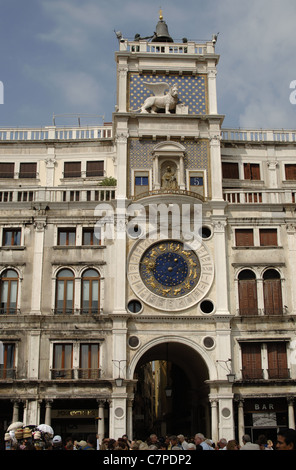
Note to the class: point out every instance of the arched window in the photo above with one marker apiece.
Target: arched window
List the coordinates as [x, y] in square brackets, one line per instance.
[247, 293]
[65, 292]
[272, 290]
[9, 291]
[90, 292]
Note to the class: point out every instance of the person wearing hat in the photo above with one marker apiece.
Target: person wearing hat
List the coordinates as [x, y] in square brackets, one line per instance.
[57, 443]
[91, 442]
[80, 445]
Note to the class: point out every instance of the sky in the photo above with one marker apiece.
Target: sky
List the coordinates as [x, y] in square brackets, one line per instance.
[57, 57]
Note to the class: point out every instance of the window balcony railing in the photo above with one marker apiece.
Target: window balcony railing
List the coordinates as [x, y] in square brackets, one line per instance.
[274, 311]
[62, 374]
[252, 374]
[63, 311]
[78, 374]
[245, 312]
[90, 311]
[9, 311]
[82, 311]
[279, 373]
[91, 374]
[7, 373]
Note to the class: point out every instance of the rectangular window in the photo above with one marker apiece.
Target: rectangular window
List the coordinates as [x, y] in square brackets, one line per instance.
[272, 294]
[290, 171]
[196, 181]
[251, 361]
[28, 170]
[141, 183]
[6, 170]
[63, 361]
[11, 237]
[244, 237]
[141, 180]
[268, 237]
[72, 169]
[277, 361]
[247, 292]
[89, 361]
[67, 236]
[230, 170]
[95, 168]
[7, 369]
[252, 171]
[91, 237]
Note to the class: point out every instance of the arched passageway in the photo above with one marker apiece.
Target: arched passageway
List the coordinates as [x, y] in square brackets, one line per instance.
[171, 395]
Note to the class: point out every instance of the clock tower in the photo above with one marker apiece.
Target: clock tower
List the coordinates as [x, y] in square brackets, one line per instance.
[170, 279]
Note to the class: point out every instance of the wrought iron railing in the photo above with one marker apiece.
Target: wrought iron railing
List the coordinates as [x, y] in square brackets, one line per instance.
[9, 373]
[62, 374]
[278, 373]
[251, 374]
[77, 373]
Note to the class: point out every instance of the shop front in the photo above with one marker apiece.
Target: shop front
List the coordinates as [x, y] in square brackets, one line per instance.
[266, 416]
[78, 420]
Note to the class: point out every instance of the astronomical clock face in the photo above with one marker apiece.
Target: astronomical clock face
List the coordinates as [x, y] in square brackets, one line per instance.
[167, 276]
[168, 270]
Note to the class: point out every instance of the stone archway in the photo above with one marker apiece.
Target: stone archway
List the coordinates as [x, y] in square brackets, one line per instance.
[180, 365]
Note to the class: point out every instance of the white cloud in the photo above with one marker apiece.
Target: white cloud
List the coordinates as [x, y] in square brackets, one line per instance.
[256, 68]
[77, 88]
[71, 46]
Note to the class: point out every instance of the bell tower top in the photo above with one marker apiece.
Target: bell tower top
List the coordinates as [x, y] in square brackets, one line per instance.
[162, 33]
[158, 60]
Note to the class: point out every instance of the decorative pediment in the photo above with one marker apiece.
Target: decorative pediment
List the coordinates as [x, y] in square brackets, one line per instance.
[169, 147]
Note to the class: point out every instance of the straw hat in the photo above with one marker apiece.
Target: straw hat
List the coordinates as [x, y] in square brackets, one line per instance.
[27, 433]
[19, 433]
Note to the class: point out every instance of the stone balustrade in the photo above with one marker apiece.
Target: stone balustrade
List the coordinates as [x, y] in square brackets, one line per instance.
[190, 47]
[266, 196]
[56, 133]
[60, 194]
[258, 135]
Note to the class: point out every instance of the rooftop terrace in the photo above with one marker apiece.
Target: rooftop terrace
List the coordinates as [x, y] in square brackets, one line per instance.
[76, 133]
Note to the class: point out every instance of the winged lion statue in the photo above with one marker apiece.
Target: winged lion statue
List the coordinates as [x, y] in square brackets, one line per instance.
[161, 100]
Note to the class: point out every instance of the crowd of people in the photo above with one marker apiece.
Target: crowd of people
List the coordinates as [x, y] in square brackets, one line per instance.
[40, 439]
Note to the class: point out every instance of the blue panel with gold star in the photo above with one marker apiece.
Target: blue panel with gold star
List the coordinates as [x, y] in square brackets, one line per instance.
[168, 270]
[192, 90]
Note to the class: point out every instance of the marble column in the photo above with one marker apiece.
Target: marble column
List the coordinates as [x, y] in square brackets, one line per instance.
[214, 420]
[129, 418]
[15, 413]
[291, 238]
[291, 414]
[220, 265]
[241, 420]
[48, 412]
[101, 420]
[212, 91]
[39, 225]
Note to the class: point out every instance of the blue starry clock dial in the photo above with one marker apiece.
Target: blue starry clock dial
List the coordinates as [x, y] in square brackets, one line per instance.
[168, 270]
